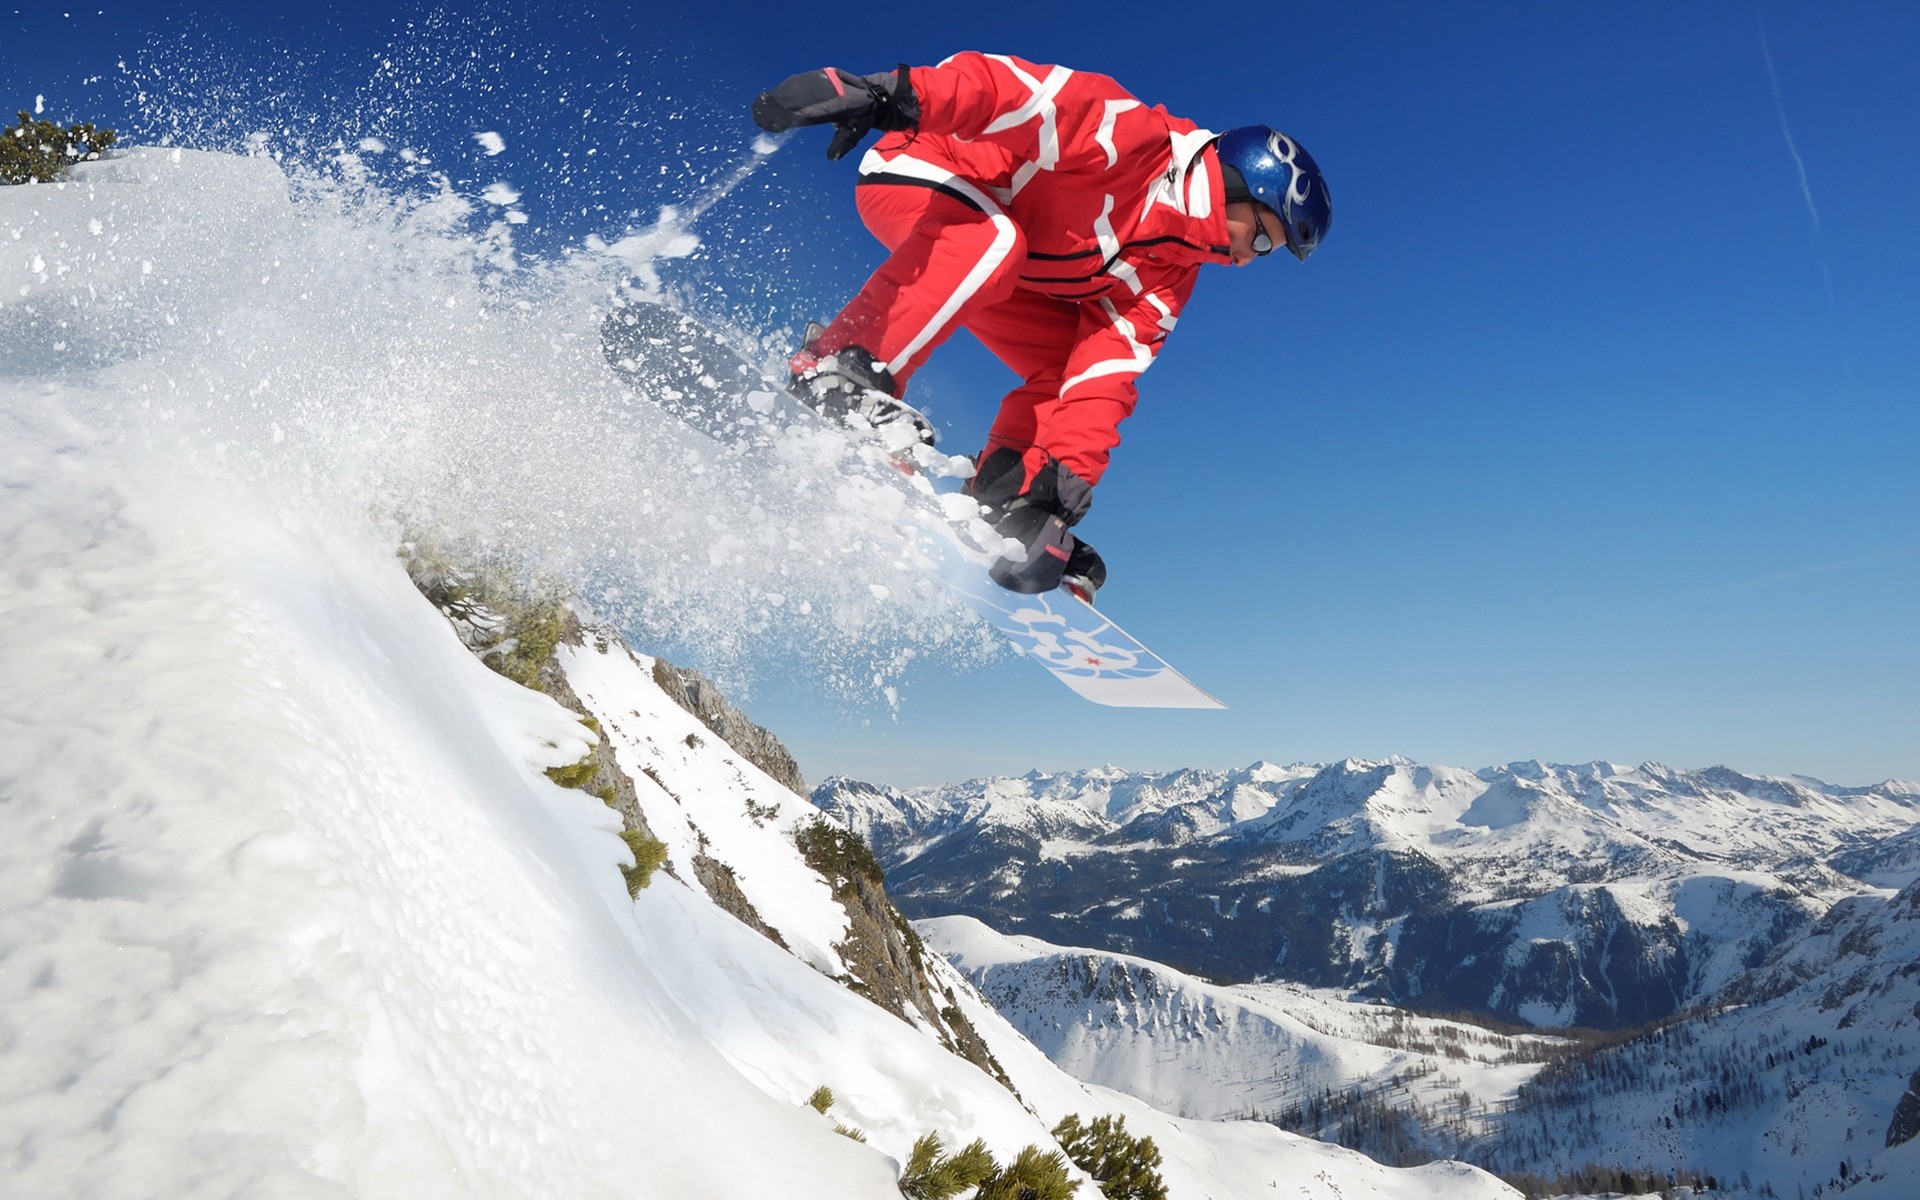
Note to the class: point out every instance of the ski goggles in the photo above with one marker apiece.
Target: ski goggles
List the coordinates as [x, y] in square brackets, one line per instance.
[1262, 240]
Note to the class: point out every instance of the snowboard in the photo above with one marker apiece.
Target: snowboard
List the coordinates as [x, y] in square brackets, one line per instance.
[687, 368]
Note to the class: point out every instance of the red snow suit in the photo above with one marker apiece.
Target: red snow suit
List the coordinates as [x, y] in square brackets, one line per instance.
[1055, 217]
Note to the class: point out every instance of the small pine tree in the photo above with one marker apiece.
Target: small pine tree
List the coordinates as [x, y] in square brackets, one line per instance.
[40, 151]
[821, 1100]
[649, 854]
[1033, 1175]
[575, 775]
[920, 1164]
[1125, 1167]
[838, 853]
[931, 1176]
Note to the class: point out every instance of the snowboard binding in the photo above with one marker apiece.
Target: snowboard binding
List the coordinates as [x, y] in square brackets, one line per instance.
[848, 387]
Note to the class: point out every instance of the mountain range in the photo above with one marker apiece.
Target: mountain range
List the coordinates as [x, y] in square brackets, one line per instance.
[1556, 896]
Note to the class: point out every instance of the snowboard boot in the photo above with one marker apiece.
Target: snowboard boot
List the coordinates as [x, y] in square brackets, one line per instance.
[1038, 518]
[1051, 557]
[848, 387]
[1046, 548]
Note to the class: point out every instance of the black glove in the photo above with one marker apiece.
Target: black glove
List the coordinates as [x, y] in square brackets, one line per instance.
[855, 104]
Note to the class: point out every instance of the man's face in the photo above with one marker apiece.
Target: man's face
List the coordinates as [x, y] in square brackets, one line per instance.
[1245, 220]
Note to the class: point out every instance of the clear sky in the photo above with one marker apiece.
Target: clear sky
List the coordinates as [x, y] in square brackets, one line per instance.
[1591, 432]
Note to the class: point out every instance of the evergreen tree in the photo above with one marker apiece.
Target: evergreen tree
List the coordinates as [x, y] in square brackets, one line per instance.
[930, 1175]
[1033, 1175]
[649, 855]
[1125, 1167]
[40, 151]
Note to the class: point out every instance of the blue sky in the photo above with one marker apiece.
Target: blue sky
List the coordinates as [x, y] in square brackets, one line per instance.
[1591, 432]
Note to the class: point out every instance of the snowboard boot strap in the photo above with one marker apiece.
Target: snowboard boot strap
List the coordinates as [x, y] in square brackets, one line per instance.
[1085, 572]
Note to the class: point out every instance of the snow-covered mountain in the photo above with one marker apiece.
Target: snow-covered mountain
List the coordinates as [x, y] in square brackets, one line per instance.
[1558, 895]
[1798, 1078]
[1793, 1079]
[298, 898]
[1891, 862]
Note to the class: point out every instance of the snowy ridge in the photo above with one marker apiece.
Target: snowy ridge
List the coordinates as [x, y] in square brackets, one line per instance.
[1201, 1050]
[748, 820]
[288, 904]
[1652, 816]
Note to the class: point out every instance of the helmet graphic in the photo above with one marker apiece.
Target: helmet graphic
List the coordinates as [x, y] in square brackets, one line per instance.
[1279, 173]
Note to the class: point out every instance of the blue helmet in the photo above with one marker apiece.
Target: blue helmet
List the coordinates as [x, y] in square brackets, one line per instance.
[1279, 173]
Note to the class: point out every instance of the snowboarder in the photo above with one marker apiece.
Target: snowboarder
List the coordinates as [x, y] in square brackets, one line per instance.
[1063, 223]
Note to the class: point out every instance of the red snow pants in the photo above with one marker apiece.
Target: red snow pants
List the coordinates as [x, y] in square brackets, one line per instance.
[954, 264]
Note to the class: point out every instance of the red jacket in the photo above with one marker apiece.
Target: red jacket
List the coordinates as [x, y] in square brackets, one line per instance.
[1119, 202]
[1107, 190]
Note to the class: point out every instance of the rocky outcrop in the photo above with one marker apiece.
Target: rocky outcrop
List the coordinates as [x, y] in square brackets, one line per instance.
[723, 888]
[697, 694]
[886, 961]
[1906, 1115]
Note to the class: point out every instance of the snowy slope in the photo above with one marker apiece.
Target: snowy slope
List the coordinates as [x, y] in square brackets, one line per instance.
[1219, 1159]
[1799, 1071]
[287, 904]
[1892, 862]
[656, 740]
[1201, 1050]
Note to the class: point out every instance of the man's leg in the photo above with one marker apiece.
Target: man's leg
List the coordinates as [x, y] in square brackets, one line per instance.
[1032, 334]
[954, 252]
[1036, 496]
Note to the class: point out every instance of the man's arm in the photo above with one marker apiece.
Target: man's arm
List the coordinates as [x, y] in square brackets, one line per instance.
[1052, 116]
[1044, 115]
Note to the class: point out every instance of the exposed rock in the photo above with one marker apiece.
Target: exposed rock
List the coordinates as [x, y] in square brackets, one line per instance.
[718, 880]
[1906, 1115]
[886, 961]
[697, 694]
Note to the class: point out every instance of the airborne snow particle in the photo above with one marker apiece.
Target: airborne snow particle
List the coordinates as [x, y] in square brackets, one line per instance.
[500, 192]
[491, 142]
